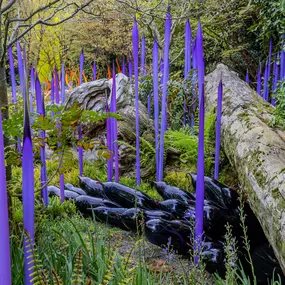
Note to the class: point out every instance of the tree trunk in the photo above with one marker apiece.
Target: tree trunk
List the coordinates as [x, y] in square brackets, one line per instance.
[255, 149]
[5, 115]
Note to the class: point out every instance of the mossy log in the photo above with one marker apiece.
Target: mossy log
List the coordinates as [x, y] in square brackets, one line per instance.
[255, 149]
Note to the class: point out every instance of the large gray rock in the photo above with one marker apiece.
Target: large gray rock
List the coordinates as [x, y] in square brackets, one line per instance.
[255, 149]
[93, 96]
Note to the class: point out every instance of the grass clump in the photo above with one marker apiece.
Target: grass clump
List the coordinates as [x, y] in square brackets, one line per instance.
[80, 251]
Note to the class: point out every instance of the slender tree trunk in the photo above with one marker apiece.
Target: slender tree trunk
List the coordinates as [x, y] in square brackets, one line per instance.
[5, 115]
[4, 98]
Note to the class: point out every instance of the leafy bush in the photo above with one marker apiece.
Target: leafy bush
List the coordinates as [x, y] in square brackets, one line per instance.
[179, 179]
[178, 90]
[56, 209]
[279, 118]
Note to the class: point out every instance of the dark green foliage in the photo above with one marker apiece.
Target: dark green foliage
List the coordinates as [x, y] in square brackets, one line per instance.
[57, 139]
[179, 179]
[279, 118]
[270, 20]
[179, 90]
[56, 209]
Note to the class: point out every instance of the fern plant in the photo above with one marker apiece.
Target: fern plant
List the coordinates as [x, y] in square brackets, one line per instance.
[77, 270]
[184, 141]
[38, 274]
[147, 154]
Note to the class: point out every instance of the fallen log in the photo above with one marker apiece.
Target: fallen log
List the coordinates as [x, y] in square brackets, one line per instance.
[255, 149]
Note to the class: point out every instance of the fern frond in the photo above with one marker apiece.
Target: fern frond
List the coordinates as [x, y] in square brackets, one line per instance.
[38, 275]
[126, 144]
[56, 278]
[125, 272]
[109, 273]
[77, 271]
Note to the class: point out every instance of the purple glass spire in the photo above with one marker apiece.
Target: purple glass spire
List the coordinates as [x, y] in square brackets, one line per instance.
[109, 143]
[130, 71]
[168, 24]
[275, 80]
[156, 104]
[81, 64]
[135, 38]
[265, 86]
[27, 184]
[80, 149]
[200, 60]
[247, 77]
[114, 125]
[194, 82]
[282, 60]
[94, 70]
[258, 86]
[218, 130]
[41, 111]
[187, 61]
[57, 101]
[32, 90]
[20, 66]
[5, 259]
[62, 84]
[200, 166]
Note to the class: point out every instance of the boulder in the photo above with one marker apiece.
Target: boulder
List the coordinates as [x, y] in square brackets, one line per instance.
[93, 96]
[255, 149]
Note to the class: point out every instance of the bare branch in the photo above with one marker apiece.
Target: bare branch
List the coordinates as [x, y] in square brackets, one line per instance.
[180, 53]
[53, 175]
[8, 6]
[148, 12]
[49, 17]
[47, 23]
[40, 9]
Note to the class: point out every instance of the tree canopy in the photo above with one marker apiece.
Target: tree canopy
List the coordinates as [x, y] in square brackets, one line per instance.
[236, 32]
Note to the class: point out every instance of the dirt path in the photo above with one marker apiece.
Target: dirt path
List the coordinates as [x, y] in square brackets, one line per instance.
[156, 258]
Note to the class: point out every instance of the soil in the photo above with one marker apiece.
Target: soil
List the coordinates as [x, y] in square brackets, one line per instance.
[157, 259]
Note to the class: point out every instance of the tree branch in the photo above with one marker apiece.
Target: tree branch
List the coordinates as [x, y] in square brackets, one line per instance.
[8, 6]
[40, 9]
[47, 23]
[180, 53]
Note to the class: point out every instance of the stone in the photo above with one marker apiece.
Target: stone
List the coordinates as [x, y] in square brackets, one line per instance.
[93, 96]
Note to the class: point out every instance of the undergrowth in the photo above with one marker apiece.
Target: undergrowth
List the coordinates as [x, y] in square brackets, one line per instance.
[70, 249]
[185, 142]
[279, 112]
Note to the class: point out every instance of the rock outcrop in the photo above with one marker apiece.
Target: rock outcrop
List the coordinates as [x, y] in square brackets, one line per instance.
[93, 96]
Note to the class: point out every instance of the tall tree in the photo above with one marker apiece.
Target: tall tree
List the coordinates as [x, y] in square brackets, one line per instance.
[18, 18]
[16, 22]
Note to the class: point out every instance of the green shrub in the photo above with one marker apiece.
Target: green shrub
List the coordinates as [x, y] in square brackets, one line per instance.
[279, 118]
[179, 179]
